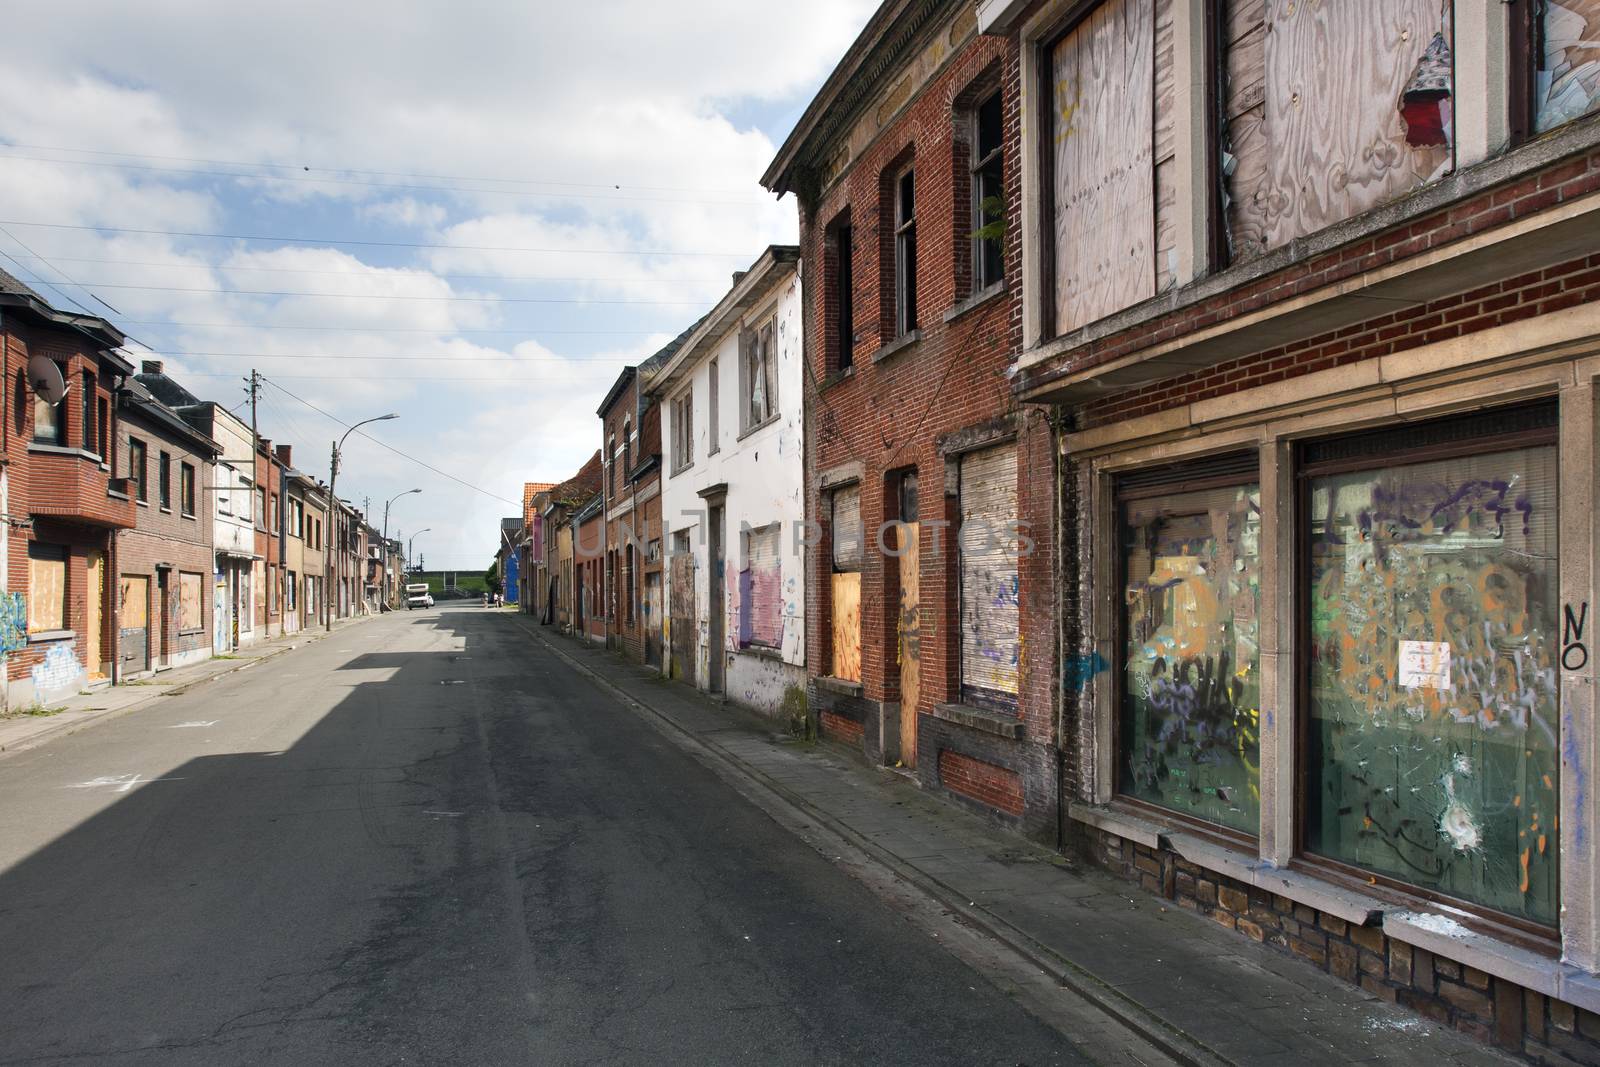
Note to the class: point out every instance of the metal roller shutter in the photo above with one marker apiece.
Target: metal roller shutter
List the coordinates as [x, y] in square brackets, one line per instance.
[848, 547]
[991, 648]
[762, 589]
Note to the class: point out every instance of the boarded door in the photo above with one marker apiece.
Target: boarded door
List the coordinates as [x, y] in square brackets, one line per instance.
[848, 551]
[991, 648]
[134, 635]
[652, 619]
[681, 624]
[910, 640]
[718, 584]
[95, 654]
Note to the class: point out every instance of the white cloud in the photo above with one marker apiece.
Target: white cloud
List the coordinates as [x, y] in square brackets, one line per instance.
[626, 124]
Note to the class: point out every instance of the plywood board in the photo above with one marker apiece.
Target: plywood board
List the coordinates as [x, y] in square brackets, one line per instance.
[910, 640]
[1104, 167]
[47, 585]
[135, 601]
[847, 626]
[1336, 144]
[991, 642]
[191, 601]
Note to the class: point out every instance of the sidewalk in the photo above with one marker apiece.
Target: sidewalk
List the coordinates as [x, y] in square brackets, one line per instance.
[108, 701]
[1207, 995]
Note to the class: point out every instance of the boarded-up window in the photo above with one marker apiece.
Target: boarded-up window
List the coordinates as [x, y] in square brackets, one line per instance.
[991, 649]
[1567, 75]
[47, 587]
[191, 601]
[760, 590]
[134, 596]
[1102, 163]
[1330, 109]
[848, 551]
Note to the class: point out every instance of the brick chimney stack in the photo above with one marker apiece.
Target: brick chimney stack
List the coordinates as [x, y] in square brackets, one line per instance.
[151, 366]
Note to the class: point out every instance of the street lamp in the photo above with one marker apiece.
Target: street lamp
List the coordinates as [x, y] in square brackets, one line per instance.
[411, 544]
[333, 504]
[391, 500]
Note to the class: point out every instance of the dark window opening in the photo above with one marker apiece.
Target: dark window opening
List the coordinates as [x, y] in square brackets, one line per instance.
[988, 193]
[905, 253]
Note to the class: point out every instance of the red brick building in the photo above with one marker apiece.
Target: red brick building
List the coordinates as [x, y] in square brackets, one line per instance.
[269, 539]
[164, 563]
[64, 497]
[586, 567]
[1321, 348]
[631, 566]
[932, 583]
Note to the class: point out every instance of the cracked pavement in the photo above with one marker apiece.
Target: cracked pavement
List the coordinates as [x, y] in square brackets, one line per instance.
[359, 863]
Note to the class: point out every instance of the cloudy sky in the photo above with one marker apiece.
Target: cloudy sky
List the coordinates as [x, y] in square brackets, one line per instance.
[470, 213]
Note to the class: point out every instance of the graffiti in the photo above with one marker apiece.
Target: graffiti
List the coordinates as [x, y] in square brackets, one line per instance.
[1191, 722]
[13, 622]
[1434, 654]
[1574, 654]
[1080, 668]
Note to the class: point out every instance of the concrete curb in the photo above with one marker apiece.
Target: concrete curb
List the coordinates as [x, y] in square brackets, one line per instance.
[1117, 1005]
[69, 728]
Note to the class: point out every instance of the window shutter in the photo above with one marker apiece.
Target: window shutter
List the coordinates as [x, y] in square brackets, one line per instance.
[991, 649]
[848, 548]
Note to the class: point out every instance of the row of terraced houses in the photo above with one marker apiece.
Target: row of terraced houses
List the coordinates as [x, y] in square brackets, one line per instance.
[1174, 437]
[143, 528]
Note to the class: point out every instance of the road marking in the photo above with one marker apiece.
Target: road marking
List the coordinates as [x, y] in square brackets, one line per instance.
[193, 725]
[120, 783]
[454, 681]
[446, 814]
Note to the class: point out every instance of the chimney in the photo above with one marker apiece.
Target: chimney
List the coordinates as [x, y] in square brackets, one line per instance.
[285, 454]
[738, 276]
[266, 446]
[151, 366]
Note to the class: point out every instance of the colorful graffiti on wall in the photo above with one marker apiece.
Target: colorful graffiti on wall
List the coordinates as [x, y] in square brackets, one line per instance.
[1434, 654]
[1191, 682]
[13, 622]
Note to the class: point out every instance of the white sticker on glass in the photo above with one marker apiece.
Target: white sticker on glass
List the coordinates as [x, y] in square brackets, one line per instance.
[1425, 664]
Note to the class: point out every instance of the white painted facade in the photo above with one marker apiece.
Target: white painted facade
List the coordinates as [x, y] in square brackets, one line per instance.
[233, 528]
[761, 468]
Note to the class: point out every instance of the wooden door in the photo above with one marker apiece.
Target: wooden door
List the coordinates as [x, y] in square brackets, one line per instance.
[133, 637]
[910, 640]
[94, 654]
[652, 619]
[164, 610]
[680, 630]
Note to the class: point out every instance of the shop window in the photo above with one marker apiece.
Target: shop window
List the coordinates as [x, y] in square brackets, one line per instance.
[47, 587]
[849, 549]
[1189, 707]
[1432, 694]
[991, 637]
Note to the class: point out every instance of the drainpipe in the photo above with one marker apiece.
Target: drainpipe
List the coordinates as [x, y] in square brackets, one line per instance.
[1058, 468]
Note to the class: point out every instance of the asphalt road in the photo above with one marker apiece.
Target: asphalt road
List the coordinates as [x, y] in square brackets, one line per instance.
[423, 840]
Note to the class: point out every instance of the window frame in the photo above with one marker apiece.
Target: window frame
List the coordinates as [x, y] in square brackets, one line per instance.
[187, 501]
[977, 169]
[683, 431]
[757, 354]
[905, 251]
[1188, 477]
[841, 239]
[713, 446]
[57, 420]
[1530, 933]
[50, 552]
[164, 480]
[139, 468]
[92, 442]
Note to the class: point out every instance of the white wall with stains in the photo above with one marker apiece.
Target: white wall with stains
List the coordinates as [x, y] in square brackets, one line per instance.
[763, 471]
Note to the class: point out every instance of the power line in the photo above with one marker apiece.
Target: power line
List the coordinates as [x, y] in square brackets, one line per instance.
[371, 244]
[391, 448]
[355, 170]
[42, 280]
[519, 331]
[341, 356]
[751, 202]
[391, 296]
[415, 378]
[381, 272]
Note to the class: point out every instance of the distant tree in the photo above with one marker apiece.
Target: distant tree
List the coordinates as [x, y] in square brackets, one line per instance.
[491, 577]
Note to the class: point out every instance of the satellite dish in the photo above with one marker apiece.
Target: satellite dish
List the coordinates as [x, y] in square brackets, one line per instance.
[45, 379]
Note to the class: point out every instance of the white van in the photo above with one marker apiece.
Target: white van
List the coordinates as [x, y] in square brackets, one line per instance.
[417, 596]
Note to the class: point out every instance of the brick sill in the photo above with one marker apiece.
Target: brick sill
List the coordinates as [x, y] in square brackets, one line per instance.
[838, 377]
[981, 719]
[897, 346]
[976, 300]
[42, 637]
[842, 686]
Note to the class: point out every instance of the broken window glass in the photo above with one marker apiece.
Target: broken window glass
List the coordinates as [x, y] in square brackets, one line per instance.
[1190, 724]
[1567, 71]
[1433, 648]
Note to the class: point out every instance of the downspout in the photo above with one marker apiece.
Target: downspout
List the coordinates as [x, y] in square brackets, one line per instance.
[1058, 567]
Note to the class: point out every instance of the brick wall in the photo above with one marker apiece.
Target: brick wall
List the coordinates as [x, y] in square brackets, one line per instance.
[1490, 1009]
[891, 415]
[988, 784]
